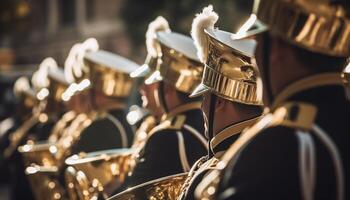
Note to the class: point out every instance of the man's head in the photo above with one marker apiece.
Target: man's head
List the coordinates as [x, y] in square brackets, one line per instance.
[149, 91]
[230, 83]
[317, 41]
[178, 72]
[150, 99]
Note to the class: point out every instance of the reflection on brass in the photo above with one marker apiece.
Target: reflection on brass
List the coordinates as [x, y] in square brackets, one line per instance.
[166, 188]
[17, 136]
[318, 25]
[109, 81]
[141, 134]
[44, 184]
[179, 70]
[90, 174]
[43, 153]
[58, 147]
[51, 155]
[98, 173]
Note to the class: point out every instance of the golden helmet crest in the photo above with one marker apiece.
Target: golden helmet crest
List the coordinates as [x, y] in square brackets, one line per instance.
[321, 26]
[230, 71]
[109, 73]
[179, 64]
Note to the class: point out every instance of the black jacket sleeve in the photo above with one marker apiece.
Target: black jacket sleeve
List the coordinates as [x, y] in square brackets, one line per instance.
[267, 168]
[159, 158]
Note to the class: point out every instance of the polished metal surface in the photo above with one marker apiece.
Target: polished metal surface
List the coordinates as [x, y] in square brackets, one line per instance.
[230, 73]
[44, 182]
[318, 25]
[182, 72]
[109, 73]
[92, 174]
[166, 188]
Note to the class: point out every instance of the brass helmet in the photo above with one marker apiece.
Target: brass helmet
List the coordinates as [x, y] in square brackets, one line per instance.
[230, 71]
[321, 26]
[179, 64]
[153, 48]
[109, 73]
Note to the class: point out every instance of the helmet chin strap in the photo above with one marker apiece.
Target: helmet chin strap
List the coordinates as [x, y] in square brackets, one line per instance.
[161, 97]
[211, 120]
[266, 65]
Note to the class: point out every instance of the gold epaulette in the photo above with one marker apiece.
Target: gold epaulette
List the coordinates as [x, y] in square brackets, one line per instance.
[172, 123]
[298, 115]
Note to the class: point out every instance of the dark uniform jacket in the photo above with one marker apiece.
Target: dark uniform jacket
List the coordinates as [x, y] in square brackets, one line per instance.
[293, 152]
[109, 131]
[173, 146]
[219, 144]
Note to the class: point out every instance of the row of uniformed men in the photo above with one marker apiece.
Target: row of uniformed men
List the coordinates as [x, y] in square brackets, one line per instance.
[286, 140]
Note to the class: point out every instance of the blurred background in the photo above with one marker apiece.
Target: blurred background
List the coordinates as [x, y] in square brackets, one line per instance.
[31, 30]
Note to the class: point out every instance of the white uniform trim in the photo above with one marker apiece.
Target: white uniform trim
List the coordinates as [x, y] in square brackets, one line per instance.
[307, 158]
[121, 129]
[333, 150]
[182, 152]
[307, 164]
[197, 135]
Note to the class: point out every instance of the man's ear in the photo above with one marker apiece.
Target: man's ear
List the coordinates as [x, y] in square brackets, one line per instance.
[220, 105]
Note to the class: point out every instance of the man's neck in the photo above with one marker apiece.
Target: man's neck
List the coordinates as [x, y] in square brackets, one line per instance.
[235, 118]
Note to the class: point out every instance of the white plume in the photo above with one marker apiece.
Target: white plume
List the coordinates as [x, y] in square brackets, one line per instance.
[21, 84]
[70, 62]
[202, 21]
[89, 45]
[74, 66]
[159, 24]
[39, 78]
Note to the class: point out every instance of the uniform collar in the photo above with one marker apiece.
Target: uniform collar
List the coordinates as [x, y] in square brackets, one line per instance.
[181, 109]
[310, 82]
[227, 134]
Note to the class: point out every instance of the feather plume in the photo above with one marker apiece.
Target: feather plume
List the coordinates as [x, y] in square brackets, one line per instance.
[202, 21]
[39, 78]
[159, 24]
[21, 84]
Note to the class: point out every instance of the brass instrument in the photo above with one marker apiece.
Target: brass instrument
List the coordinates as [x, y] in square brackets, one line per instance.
[51, 156]
[17, 137]
[43, 182]
[166, 188]
[57, 148]
[98, 173]
[42, 153]
[93, 174]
